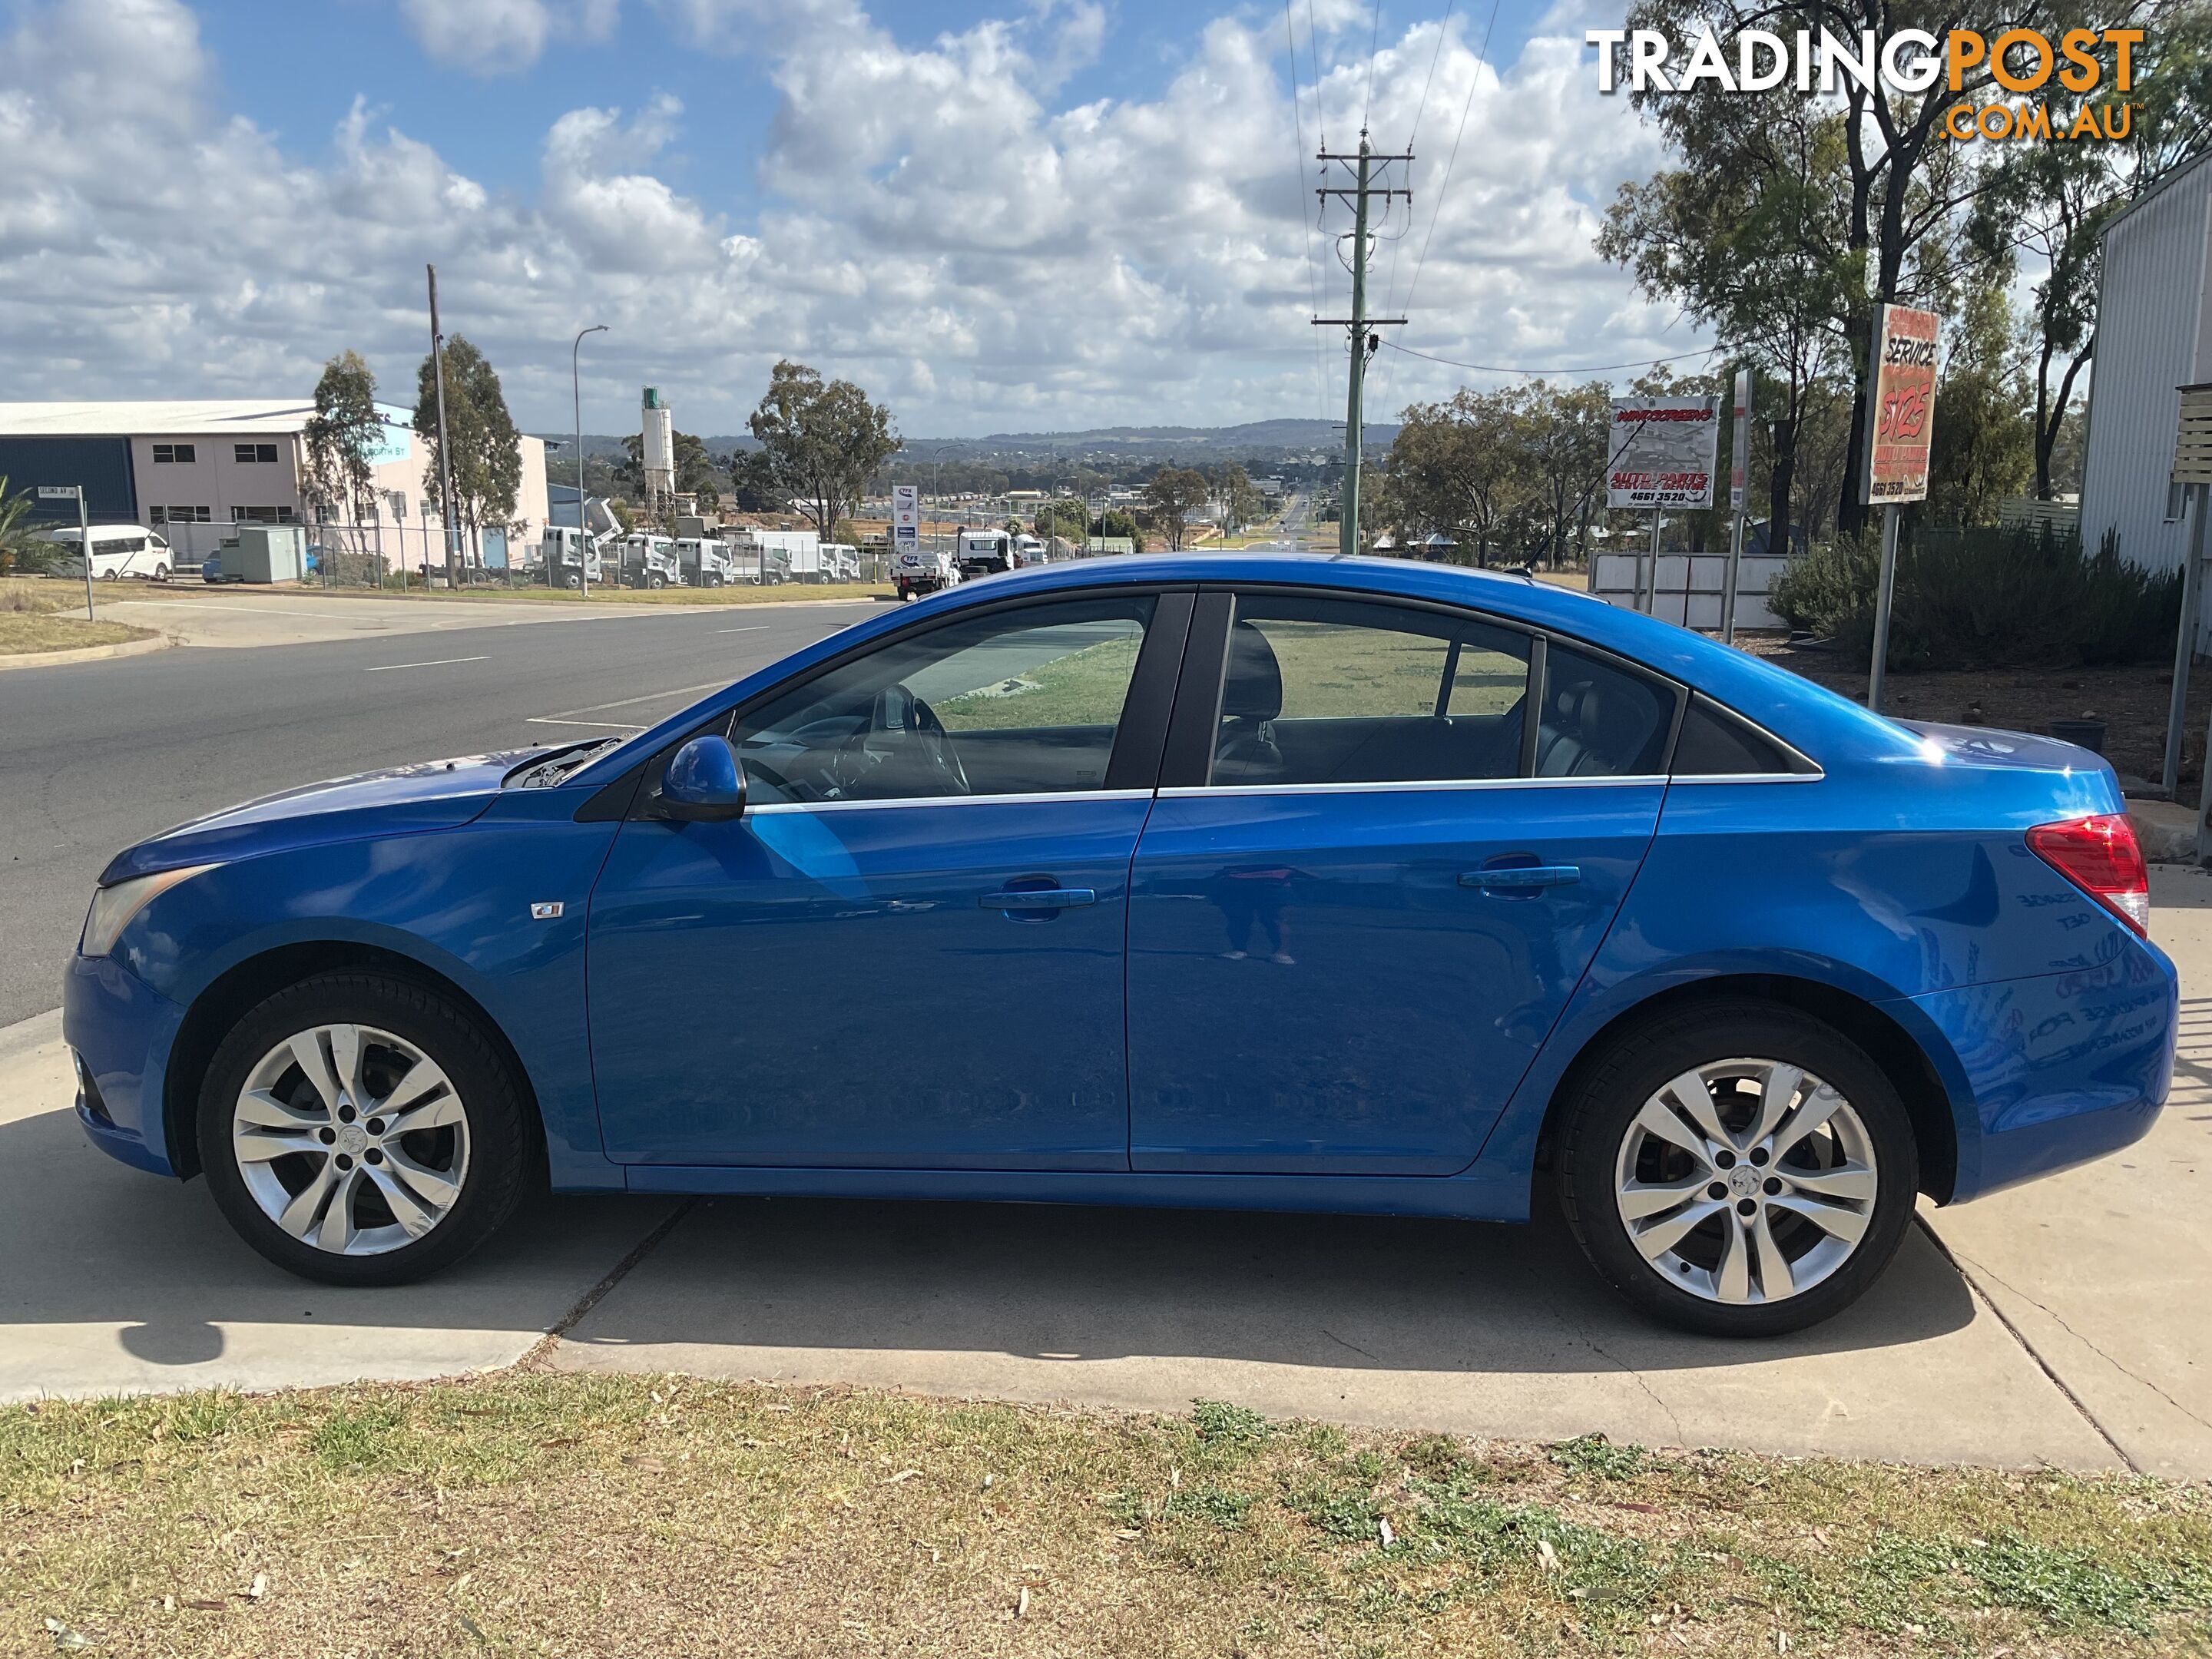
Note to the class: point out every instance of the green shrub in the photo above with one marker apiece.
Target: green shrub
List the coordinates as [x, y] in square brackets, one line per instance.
[1986, 598]
[1829, 585]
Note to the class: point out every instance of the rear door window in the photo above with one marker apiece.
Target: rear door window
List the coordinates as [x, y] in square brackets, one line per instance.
[1600, 718]
[1324, 690]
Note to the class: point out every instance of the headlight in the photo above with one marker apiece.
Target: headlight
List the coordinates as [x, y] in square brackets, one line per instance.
[113, 907]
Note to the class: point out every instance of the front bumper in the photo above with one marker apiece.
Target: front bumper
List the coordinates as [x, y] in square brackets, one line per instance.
[121, 1032]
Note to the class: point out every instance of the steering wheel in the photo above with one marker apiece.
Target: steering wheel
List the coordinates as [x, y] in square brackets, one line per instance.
[904, 750]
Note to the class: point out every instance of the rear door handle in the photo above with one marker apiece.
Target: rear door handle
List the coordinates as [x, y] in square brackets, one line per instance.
[1040, 898]
[1522, 877]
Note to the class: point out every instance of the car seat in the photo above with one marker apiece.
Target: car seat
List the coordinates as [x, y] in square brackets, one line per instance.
[1251, 699]
[1589, 731]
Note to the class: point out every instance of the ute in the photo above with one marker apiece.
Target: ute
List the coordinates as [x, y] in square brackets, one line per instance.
[916, 571]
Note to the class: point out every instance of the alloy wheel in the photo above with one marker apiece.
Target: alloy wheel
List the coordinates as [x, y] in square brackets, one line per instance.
[351, 1139]
[1745, 1181]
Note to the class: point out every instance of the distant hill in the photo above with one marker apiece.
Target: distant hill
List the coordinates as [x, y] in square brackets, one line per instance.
[1282, 434]
[1125, 443]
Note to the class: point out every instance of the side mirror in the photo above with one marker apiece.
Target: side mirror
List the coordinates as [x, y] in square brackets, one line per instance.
[704, 784]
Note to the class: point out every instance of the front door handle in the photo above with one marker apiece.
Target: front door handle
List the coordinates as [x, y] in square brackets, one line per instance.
[1522, 877]
[1040, 898]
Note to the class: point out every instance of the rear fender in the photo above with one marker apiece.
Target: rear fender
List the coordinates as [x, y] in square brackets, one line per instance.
[1911, 1046]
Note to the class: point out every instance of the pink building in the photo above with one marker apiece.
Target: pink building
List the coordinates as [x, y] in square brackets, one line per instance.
[195, 469]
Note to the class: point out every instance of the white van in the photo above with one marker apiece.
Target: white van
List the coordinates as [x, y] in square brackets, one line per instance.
[123, 549]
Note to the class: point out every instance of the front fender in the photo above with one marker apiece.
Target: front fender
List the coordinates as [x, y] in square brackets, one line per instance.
[456, 901]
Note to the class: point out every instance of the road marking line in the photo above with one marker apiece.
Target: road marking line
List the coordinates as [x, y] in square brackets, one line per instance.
[607, 726]
[755, 628]
[626, 702]
[442, 662]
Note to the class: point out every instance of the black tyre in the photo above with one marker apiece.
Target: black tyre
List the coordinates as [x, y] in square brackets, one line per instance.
[1743, 1169]
[360, 1129]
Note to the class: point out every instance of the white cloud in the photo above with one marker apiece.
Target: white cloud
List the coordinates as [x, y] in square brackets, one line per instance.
[983, 262]
[502, 37]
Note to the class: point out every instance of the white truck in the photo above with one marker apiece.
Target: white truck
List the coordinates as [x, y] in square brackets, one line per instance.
[984, 552]
[649, 561]
[567, 557]
[704, 561]
[798, 552]
[917, 570]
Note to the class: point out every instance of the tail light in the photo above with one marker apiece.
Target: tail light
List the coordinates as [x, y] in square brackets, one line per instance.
[2100, 856]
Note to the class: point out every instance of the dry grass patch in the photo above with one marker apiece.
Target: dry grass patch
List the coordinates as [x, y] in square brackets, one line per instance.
[560, 1515]
[34, 618]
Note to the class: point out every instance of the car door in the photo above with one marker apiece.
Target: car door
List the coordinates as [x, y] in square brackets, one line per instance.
[1388, 841]
[908, 952]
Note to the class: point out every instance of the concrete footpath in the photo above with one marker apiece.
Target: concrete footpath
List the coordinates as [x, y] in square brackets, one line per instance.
[2063, 1323]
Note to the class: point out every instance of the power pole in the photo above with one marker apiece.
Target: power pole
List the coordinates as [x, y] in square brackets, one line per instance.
[1359, 326]
[445, 456]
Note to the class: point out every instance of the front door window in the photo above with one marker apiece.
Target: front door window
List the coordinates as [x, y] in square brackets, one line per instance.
[1018, 702]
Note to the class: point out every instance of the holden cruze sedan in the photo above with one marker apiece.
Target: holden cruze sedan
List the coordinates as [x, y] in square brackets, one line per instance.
[1242, 882]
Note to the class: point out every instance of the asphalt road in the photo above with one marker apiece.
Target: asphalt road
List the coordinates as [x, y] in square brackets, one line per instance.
[95, 755]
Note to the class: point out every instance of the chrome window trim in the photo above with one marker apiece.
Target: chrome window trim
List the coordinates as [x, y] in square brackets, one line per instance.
[1814, 776]
[1184, 792]
[766, 808]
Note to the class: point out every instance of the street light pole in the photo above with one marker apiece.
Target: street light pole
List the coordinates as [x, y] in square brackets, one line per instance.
[576, 392]
[444, 455]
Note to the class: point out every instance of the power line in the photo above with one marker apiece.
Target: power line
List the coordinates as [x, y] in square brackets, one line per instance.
[1481, 57]
[1374, 39]
[1320, 108]
[1305, 225]
[1587, 369]
[1421, 110]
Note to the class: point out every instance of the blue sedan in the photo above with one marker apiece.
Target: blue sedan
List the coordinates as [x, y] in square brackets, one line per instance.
[1240, 882]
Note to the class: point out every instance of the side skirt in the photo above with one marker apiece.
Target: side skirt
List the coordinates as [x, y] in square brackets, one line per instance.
[1478, 1195]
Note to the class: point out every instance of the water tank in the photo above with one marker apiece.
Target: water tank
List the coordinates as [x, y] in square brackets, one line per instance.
[659, 429]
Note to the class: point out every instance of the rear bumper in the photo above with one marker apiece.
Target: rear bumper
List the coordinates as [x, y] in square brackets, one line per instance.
[2060, 1068]
[121, 1032]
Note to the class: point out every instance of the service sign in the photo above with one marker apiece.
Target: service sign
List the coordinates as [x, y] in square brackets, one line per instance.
[1903, 401]
[906, 515]
[1662, 451]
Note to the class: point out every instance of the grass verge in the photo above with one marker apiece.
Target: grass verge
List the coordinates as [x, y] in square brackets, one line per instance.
[32, 619]
[545, 1514]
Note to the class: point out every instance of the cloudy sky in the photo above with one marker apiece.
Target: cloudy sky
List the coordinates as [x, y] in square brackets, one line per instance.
[997, 215]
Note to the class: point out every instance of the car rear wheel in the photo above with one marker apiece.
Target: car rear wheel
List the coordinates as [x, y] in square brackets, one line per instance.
[1744, 1170]
[359, 1129]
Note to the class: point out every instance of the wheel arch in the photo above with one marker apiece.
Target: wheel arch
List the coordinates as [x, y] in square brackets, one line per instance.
[227, 997]
[1904, 1058]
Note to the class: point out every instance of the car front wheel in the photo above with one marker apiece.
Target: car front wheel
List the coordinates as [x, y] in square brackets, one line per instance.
[1744, 1170]
[360, 1129]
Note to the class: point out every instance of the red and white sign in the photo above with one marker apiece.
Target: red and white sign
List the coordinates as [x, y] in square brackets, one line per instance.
[1662, 451]
[1903, 406]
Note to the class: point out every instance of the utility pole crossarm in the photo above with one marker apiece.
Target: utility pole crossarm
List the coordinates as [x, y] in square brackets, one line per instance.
[1358, 322]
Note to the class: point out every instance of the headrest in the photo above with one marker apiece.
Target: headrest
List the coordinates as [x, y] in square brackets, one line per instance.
[1605, 718]
[1253, 688]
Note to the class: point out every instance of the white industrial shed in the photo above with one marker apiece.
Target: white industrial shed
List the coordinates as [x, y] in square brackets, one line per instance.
[2153, 336]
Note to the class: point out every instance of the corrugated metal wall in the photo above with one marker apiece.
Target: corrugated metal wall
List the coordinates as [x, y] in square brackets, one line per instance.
[98, 466]
[2150, 340]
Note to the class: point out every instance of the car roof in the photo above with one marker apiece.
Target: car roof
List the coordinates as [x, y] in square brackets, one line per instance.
[1817, 721]
[1788, 704]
